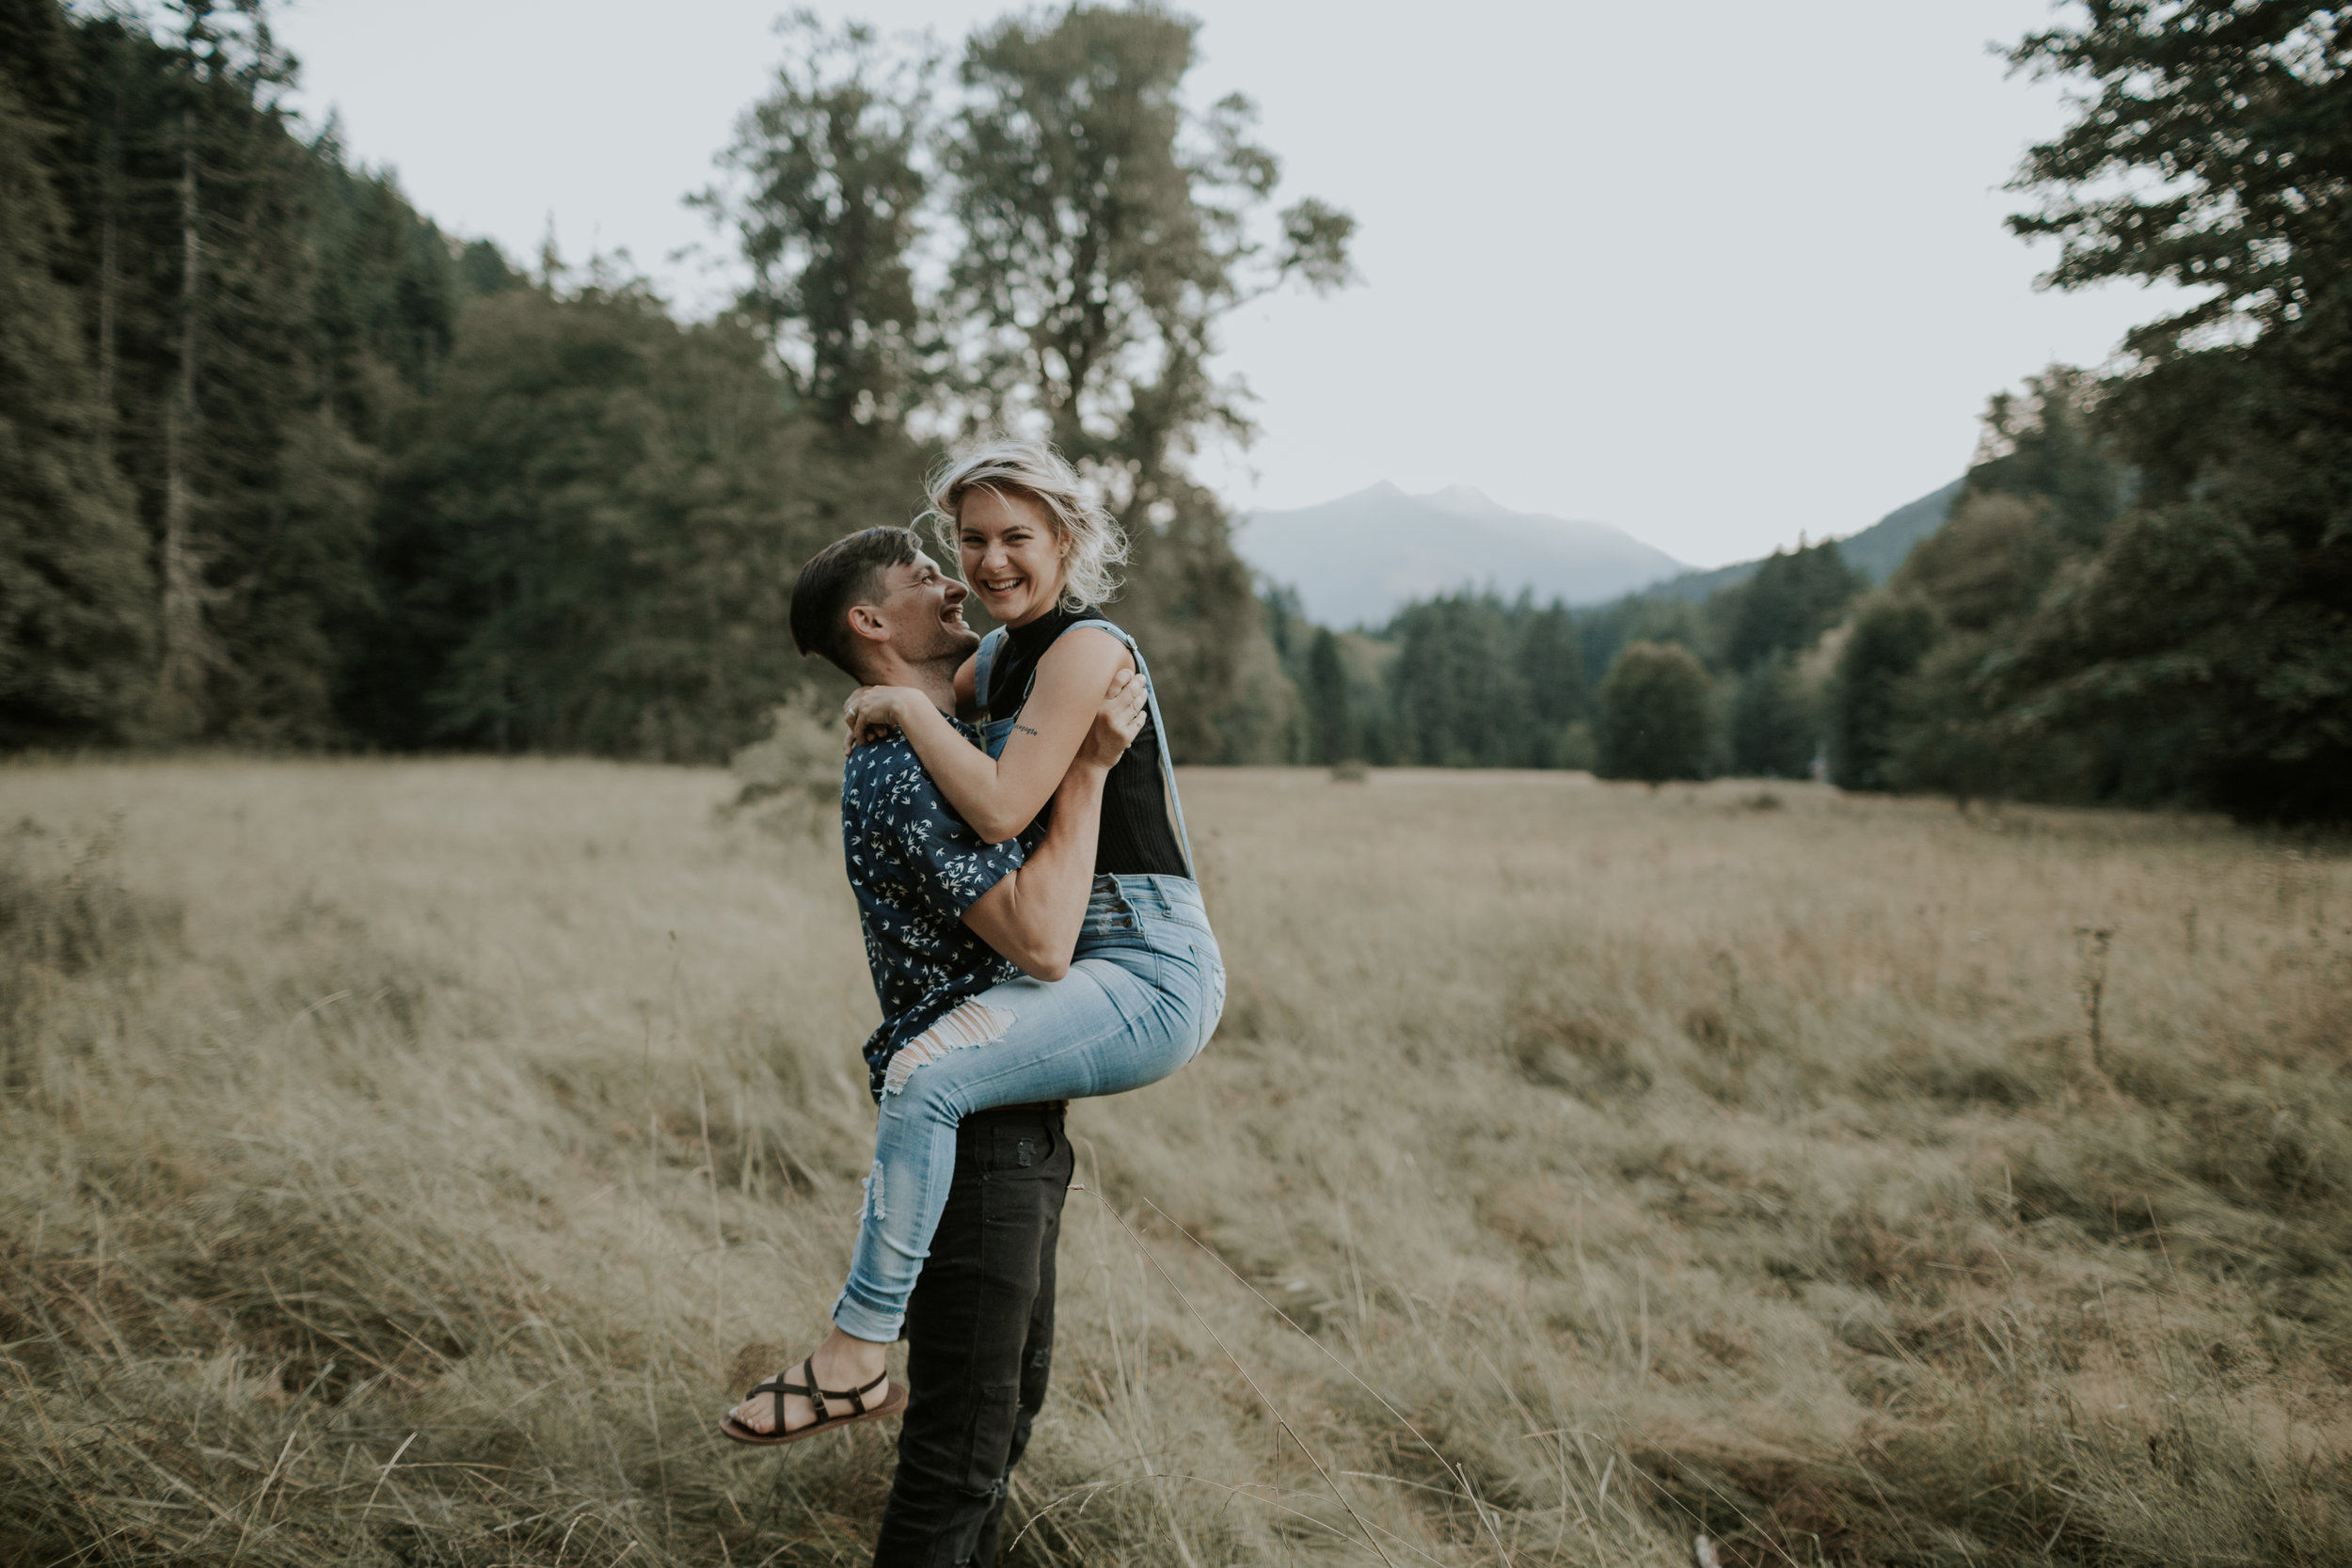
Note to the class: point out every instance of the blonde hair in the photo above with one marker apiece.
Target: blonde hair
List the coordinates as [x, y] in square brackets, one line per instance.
[1091, 540]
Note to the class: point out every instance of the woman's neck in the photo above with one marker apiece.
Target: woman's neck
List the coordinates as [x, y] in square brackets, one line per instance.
[1051, 605]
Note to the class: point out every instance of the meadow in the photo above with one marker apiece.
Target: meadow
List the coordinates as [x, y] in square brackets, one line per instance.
[406, 1163]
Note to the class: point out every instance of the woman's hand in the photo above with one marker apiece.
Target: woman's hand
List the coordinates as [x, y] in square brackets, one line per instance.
[1117, 722]
[873, 712]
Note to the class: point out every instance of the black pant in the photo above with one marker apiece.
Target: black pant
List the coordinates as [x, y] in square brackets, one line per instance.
[980, 1338]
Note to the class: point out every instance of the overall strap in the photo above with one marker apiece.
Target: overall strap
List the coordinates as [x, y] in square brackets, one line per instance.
[1168, 765]
[983, 661]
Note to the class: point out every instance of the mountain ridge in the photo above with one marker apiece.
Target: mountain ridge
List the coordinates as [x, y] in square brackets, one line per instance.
[1358, 559]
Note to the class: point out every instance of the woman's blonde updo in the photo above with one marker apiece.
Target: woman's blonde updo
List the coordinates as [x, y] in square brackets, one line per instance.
[1091, 540]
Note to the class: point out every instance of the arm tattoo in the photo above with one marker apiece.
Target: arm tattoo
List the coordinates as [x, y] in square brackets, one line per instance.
[1023, 728]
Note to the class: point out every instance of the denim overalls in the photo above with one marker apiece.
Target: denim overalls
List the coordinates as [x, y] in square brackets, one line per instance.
[1144, 988]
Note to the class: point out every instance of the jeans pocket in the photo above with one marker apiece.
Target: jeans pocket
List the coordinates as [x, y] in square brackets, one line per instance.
[1026, 1151]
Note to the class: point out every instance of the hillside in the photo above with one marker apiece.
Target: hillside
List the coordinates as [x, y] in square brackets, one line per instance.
[1877, 550]
[1358, 560]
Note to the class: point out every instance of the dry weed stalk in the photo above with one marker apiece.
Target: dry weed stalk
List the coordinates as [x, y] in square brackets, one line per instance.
[2091, 952]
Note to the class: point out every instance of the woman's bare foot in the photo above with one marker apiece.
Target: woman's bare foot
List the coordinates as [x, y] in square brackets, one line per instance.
[842, 1363]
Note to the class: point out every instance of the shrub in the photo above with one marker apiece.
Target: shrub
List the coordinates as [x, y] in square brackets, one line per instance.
[1655, 718]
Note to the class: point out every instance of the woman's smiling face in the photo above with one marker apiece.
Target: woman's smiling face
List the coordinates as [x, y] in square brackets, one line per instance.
[1011, 554]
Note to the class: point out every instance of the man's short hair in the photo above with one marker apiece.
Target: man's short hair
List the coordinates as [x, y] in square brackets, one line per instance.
[845, 573]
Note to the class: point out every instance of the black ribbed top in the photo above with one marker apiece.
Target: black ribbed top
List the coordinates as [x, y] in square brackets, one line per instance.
[1138, 839]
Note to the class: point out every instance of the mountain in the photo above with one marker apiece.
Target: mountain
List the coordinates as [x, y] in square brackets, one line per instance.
[1881, 547]
[1877, 550]
[1358, 560]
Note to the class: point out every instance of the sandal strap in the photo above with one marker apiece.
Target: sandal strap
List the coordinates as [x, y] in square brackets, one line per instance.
[857, 1395]
[815, 1395]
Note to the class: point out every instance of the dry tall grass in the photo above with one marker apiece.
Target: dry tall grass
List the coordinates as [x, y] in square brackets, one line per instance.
[406, 1163]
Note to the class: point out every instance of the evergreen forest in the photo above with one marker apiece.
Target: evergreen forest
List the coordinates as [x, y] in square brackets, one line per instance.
[2143, 593]
[284, 465]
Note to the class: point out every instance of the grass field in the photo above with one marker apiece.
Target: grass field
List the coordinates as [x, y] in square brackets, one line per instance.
[408, 1162]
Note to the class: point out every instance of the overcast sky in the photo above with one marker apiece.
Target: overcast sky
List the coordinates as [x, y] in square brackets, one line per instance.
[1717, 273]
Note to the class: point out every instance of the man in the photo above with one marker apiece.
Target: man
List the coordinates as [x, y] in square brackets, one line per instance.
[945, 917]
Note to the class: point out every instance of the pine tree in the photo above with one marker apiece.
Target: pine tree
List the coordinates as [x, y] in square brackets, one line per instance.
[1774, 731]
[1551, 665]
[1795, 596]
[2215, 616]
[1458, 691]
[1331, 728]
[74, 616]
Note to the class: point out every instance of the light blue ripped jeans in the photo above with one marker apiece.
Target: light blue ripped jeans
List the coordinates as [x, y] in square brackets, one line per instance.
[1142, 997]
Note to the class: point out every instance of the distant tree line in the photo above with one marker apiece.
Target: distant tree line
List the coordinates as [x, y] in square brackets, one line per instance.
[1648, 686]
[2144, 594]
[282, 463]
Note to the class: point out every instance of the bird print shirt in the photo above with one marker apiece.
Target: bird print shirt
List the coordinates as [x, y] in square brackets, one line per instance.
[915, 867]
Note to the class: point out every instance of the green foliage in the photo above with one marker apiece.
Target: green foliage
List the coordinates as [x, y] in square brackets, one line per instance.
[251, 318]
[1460, 702]
[1101, 243]
[1774, 730]
[1551, 666]
[1793, 598]
[2043, 446]
[75, 617]
[1103, 237]
[1604, 632]
[2239, 105]
[1870, 697]
[1656, 717]
[1989, 563]
[1480, 682]
[2146, 593]
[827, 210]
[593, 531]
[1331, 728]
[288, 465]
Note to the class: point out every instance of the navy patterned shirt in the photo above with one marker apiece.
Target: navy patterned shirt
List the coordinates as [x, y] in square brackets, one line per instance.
[915, 867]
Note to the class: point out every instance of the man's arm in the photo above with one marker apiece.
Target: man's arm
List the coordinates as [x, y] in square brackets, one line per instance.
[1032, 915]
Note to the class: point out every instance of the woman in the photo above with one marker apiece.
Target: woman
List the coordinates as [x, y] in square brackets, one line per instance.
[1146, 983]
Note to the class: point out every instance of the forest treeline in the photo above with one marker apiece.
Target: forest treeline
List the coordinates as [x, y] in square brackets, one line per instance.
[282, 463]
[2144, 594]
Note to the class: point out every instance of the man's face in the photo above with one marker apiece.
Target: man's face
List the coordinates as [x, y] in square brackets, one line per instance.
[923, 609]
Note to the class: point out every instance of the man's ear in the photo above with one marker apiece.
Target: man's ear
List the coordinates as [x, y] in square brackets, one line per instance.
[866, 622]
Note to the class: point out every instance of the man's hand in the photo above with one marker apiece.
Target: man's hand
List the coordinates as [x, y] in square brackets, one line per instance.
[1117, 722]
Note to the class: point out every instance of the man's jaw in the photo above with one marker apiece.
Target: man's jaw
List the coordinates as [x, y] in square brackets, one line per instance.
[931, 666]
[957, 638]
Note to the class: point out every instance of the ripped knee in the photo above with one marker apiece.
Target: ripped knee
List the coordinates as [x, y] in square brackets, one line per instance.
[973, 1022]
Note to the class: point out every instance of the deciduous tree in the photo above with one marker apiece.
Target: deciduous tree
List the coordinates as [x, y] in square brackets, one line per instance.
[1103, 233]
[1656, 715]
[826, 200]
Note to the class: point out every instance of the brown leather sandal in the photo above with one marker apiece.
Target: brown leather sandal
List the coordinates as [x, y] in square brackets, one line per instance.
[826, 1420]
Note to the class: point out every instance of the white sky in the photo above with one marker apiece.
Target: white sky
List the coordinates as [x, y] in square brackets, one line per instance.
[1716, 272]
